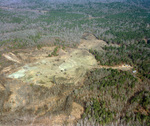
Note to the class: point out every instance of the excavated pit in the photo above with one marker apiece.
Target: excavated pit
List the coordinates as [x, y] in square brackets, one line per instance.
[68, 68]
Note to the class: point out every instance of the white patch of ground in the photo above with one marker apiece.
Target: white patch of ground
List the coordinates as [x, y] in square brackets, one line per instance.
[10, 56]
[17, 74]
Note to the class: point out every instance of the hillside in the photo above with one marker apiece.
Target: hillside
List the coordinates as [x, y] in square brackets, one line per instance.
[76, 63]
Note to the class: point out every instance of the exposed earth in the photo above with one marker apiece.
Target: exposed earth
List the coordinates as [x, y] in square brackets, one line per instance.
[41, 86]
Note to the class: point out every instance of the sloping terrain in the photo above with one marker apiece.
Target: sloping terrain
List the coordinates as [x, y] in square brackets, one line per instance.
[78, 62]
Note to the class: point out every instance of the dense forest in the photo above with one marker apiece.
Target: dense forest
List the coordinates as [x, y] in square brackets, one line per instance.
[115, 95]
[110, 95]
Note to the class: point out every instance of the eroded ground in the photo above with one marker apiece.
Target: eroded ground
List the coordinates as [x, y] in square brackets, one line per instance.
[67, 68]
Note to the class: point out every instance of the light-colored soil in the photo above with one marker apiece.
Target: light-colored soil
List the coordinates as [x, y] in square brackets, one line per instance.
[67, 68]
[92, 44]
[124, 67]
[89, 41]
[10, 56]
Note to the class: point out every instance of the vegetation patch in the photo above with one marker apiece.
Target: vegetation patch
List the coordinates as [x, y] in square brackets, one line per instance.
[54, 53]
[107, 92]
[133, 54]
[98, 111]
